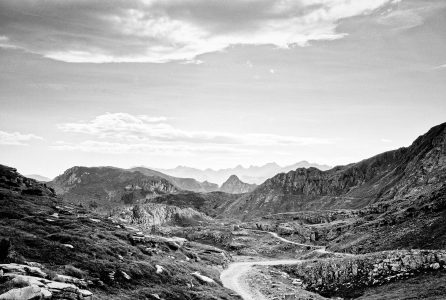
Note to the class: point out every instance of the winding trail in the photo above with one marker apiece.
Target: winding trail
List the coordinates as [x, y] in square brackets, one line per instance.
[234, 277]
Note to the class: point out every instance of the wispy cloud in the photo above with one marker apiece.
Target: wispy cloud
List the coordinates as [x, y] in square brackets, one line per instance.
[386, 140]
[141, 128]
[163, 149]
[122, 133]
[17, 138]
[166, 30]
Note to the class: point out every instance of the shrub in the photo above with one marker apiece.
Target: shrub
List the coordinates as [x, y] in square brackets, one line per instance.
[74, 272]
[5, 245]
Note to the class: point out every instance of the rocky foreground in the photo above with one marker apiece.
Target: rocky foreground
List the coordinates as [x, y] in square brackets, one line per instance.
[38, 285]
[53, 250]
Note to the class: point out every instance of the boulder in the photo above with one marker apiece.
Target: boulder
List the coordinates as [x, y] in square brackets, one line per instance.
[203, 279]
[26, 293]
[70, 279]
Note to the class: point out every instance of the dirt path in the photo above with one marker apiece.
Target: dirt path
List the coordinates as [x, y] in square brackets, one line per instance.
[234, 277]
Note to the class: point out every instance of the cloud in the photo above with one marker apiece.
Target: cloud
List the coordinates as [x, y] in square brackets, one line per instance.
[167, 30]
[144, 129]
[162, 149]
[386, 140]
[17, 138]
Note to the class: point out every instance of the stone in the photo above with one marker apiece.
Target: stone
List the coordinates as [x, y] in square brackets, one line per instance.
[70, 279]
[13, 268]
[46, 294]
[53, 285]
[25, 293]
[35, 271]
[68, 246]
[30, 280]
[435, 266]
[202, 278]
[159, 269]
[125, 275]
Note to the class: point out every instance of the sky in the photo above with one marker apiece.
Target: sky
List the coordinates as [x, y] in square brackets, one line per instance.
[214, 84]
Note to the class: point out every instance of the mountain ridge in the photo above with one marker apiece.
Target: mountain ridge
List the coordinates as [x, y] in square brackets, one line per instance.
[381, 177]
[251, 174]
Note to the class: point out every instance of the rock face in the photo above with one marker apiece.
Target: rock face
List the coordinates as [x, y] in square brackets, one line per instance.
[336, 276]
[187, 184]
[235, 186]
[406, 173]
[150, 214]
[212, 204]
[106, 187]
[10, 179]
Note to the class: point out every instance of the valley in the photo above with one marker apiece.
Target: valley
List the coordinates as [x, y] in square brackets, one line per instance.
[367, 230]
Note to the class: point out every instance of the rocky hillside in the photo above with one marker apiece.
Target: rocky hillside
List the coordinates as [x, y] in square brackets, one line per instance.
[399, 175]
[107, 187]
[11, 180]
[50, 250]
[349, 277]
[233, 185]
[153, 214]
[187, 184]
[212, 204]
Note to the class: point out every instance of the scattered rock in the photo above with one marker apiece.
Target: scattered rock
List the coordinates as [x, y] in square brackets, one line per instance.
[125, 275]
[202, 278]
[159, 269]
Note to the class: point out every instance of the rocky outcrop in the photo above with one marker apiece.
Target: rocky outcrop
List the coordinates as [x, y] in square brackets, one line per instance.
[337, 276]
[153, 214]
[107, 187]
[36, 284]
[314, 217]
[10, 179]
[233, 185]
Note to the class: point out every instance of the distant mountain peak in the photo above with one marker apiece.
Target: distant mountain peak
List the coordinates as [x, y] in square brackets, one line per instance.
[234, 185]
[233, 177]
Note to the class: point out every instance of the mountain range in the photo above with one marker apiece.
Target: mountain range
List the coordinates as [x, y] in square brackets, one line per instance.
[252, 174]
[358, 217]
[393, 176]
[38, 177]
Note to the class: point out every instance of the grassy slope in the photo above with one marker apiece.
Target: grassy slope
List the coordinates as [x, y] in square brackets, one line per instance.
[97, 246]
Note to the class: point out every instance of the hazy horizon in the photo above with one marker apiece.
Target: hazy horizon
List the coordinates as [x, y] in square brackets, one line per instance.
[211, 84]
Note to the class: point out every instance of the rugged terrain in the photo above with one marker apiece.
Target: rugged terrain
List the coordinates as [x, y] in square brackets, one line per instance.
[187, 184]
[103, 188]
[391, 179]
[52, 250]
[351, 231]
